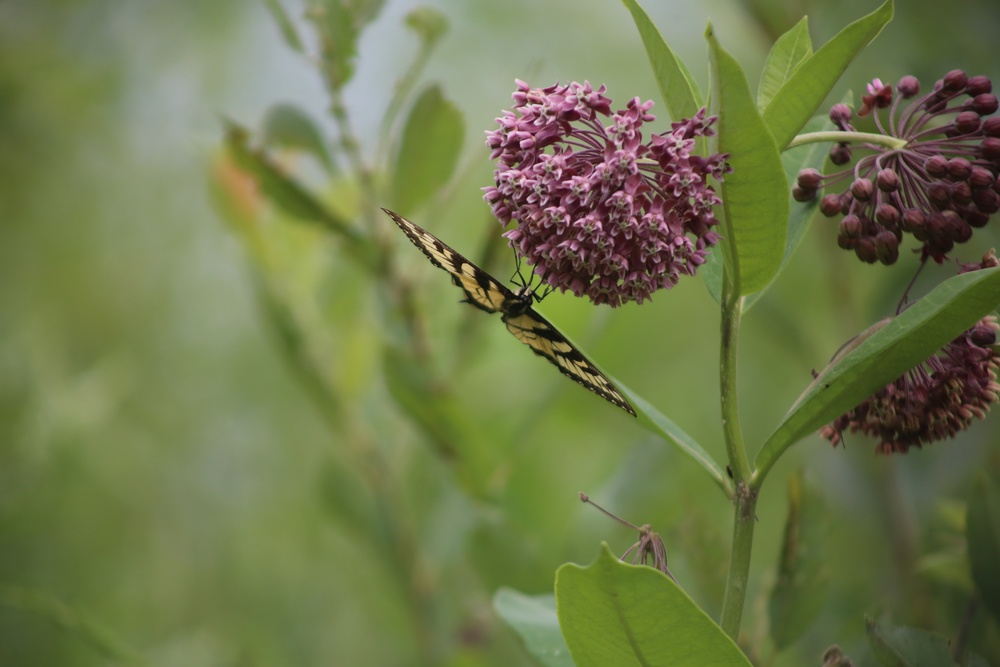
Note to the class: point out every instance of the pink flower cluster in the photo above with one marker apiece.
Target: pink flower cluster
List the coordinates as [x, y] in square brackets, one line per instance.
[598, 211]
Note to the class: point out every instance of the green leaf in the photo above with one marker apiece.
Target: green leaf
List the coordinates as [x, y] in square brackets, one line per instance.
[428, 155]
[800, 214]
[617, 614]
[789, 51]
[811, 82]
[656, 422]
[900, 646]
[288, 126]
[803, 574]
[983, 534]
[285, 25]
[534, 619]
[755, 195]
[909, 339]
[677, 87]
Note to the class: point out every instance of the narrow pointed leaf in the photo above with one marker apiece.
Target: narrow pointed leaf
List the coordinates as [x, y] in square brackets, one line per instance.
[812, 81]
[432, 141]
[617, 614]
[789, 51]
[755, 195]
[534, 619]
[285, 25]
[908, 340]
[677, 87]
[656, 422]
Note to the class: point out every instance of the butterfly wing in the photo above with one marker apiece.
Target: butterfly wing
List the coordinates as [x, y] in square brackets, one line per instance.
[545, 340]
[481, 290]
[486, 293]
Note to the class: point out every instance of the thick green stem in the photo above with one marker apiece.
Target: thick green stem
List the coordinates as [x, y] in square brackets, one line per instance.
[739, 560]
[745, 499]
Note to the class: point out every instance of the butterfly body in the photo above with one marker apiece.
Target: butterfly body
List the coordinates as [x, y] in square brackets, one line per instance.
[517, 312]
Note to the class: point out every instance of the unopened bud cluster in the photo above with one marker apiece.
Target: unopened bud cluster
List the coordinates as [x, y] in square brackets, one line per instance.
[938, 187]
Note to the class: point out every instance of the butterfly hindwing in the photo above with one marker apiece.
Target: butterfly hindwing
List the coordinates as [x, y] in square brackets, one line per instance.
[486, 293]
[545, 340]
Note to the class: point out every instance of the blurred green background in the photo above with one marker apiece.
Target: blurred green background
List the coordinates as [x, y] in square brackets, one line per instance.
[170, 494]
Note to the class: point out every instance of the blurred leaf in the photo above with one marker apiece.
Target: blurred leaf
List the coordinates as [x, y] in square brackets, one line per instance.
[811, 82]
[534, 619]
[788, 52]
[285, 24]
[983, 531]
[287, 126]
[677, 87]
[617, 614]
[429, 24]
[906, 341]
[656, 422]
[755, 195]
[70, 619]
[803, 574]
[432, 141]
[900, 646]
[288, 194]
[339, 23]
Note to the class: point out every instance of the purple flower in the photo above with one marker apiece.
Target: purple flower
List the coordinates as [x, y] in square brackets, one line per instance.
[935, 400]
[939, 186]
[598, 210]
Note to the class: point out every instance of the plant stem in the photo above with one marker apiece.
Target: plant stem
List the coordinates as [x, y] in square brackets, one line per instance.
[745, 498]
[836, 136]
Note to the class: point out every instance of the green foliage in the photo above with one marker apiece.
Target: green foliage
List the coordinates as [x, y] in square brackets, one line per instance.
[803, 573]
[983, 529]
[909, 339]
[617, 614]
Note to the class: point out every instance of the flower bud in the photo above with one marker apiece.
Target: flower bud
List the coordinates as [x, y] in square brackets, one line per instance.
[862, 189]
[887, 180]
[908, 86]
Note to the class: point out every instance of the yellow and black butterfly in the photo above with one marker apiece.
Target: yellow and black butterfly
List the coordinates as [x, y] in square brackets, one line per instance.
[486, 293]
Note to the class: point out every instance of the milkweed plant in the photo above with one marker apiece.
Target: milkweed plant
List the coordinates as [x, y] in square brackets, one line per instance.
[617, 202]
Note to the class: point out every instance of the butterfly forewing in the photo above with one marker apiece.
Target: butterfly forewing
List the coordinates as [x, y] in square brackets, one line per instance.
[486, 293]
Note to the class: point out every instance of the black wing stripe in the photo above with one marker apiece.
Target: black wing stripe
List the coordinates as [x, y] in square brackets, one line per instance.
[486, 293]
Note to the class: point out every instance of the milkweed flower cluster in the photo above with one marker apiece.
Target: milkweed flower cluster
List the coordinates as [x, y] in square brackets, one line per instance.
[937, 187]
[935, 400]
[599, 211]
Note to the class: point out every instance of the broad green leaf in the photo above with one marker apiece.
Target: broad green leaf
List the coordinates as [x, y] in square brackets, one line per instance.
[288, 126]
[285, 25]
[677, 87]
[755, 195]
[803, 572]
[811, 82]
[617, 614]
[906, 341]
[983, 534]
[900, 646]
[534, 619]
[789, 51]
[800, 214]
[432, 141]
[656, 422]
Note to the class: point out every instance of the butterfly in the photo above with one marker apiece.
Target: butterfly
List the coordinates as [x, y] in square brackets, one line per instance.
[486, 293]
